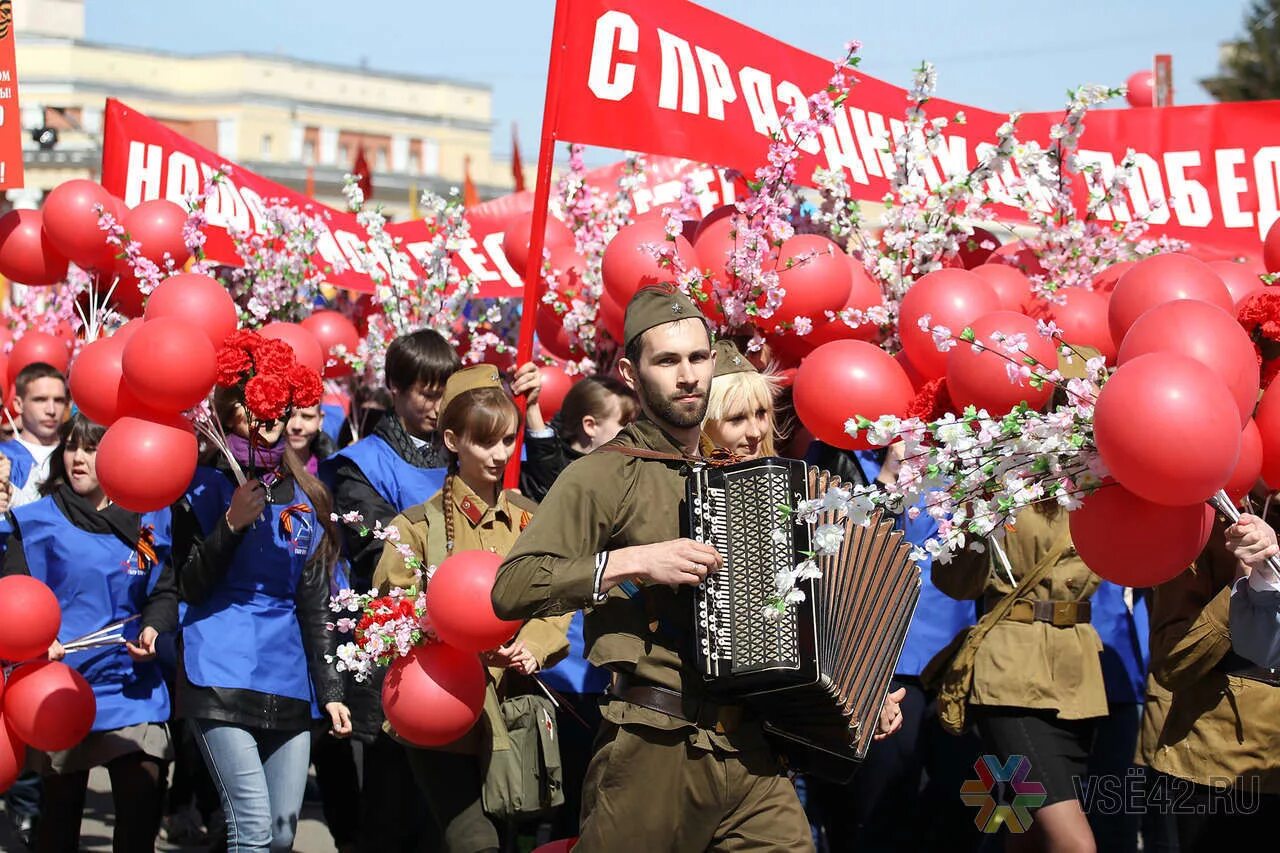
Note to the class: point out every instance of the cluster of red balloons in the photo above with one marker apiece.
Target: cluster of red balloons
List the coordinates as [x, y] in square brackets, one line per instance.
[46, 705]
[138, 381]
[434, 695]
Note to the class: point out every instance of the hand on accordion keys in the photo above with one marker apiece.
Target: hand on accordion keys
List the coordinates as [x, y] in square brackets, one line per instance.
[680, 561]
[891, 714]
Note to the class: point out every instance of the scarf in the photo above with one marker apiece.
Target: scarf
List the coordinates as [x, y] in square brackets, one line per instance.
[390, 430]
[264, 458]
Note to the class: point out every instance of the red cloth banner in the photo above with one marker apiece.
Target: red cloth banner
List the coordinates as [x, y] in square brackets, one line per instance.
[670, 77]
[10, 117]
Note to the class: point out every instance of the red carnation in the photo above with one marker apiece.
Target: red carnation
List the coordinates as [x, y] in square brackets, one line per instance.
[273, 356]
[243, 339]
[306, 385]
[232, 364]
[266, 396]
[931, 402]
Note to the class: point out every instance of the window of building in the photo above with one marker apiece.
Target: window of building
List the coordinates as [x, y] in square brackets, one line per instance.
[344, 153]
[415, 163]
[380, 160]
[308, 151]
[264, 149]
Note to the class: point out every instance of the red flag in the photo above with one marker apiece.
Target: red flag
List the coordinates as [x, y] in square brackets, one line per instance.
[364, 175]
[517, 168]
[470, 198]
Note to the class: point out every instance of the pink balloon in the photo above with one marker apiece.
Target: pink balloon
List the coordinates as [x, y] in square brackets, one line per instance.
[1168, 429]
[1141, 87]
[1010, 284]
[1240, 279]
[1082, 318]
[1160, 279]
[952, 298]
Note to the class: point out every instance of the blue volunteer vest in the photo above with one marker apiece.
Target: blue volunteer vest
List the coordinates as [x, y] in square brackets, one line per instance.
[938, 617]
[400, 484]
[20, 462]
[246, 635]
[98, 580]
[331, 418]
[1125, 636]
[573, 674]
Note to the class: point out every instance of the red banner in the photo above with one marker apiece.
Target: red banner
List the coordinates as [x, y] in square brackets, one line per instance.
[10, 117]
[671, 77]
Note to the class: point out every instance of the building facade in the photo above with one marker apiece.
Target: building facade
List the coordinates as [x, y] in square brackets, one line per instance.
[296, 122]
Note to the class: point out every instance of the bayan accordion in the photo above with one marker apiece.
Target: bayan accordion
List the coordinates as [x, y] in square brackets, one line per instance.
[818, 675]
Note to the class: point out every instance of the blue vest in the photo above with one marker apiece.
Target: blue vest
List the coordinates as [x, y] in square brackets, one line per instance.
[246, 635]
[20, 462]
[331, 418]
[938, 617]
[98, 581]
[400, 484]
[1125, 642]
[573, 674]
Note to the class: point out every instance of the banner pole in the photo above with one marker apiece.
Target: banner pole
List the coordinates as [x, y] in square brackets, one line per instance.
[537, 228]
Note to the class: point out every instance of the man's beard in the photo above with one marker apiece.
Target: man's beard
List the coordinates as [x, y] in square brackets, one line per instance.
[666, 409]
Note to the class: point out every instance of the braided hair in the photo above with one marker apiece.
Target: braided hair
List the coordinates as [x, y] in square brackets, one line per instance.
[483, 415]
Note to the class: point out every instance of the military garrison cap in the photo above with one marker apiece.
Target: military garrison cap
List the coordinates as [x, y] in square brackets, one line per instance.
[654, 305]
[729, 360]
[467, 379]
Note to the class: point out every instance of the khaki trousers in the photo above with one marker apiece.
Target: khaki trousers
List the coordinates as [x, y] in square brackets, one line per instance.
[651, 790]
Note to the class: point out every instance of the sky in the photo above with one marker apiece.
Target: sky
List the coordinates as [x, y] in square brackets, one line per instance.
[1000, 56]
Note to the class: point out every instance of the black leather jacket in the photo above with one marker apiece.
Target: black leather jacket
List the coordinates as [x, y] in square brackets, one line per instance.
[202, 562]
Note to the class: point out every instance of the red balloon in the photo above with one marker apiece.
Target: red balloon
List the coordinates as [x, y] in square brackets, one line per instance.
[13, 753]
[306, 349]
[1083, 320]
[552, 335]
[1271, 248]
[714, 241]
[1020, 256]
[169, 365]
[1168, 429]
[982, 378]
[96, 379]
[157, 226]
[846, 378]
[35, 347]
[1240, 279]
[433, 695]
[817, 277]
[1105, 281]
[26, 254]
[200, 301]
[1141, 87]
[1010, 284]
[555, 385]
[515, 240]
[126, 297]
[1205, 333]
[1160, 279]
[50, 705]
[951, 298]
[917, 381]
[166, 451]
[627, 265]
[128, 330]
[332, 329]
[1248, 466]
[976, 248]
[459, 606]
[1134, 542]
[29, 618]
[611, 315]
[71, 223]
[1267, 419]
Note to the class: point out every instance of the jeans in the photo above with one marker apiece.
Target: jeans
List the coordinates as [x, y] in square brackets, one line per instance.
[261, 776]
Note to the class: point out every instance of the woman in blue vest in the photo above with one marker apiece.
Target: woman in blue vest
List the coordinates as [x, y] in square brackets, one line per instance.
[104, 564]
[253, 566]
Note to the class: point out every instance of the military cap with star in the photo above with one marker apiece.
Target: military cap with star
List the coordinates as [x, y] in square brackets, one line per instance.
[729, 360]
[655, 305]
[468, 379]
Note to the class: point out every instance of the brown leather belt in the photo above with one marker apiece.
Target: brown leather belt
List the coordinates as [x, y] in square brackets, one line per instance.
[1269, 677]
[701, 712]
[1059, 614]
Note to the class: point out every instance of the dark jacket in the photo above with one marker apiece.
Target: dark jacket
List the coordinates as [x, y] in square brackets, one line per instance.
[203, 561]
[544, 459]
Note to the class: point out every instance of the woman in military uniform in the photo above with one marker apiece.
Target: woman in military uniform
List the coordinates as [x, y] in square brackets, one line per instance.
[739, 407]
[478, 425]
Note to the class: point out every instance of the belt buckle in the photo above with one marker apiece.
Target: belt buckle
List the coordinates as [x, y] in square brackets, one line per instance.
[1063, 614]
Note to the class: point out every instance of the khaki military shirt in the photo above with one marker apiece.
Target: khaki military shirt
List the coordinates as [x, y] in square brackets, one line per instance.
[1032, 665]
[603, 502]
[476, 526]
[1217, 727]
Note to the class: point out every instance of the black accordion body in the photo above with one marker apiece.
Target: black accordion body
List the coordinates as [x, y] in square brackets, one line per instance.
[818, 676]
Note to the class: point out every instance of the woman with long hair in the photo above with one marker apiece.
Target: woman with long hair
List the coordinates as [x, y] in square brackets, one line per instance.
[478, 425]
[105, 564]
[253, 568]
[740, 406]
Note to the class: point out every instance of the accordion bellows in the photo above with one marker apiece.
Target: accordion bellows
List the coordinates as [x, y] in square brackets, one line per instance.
[818, 676]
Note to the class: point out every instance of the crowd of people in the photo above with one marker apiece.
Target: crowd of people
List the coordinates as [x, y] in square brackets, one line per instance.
[1128, 706]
